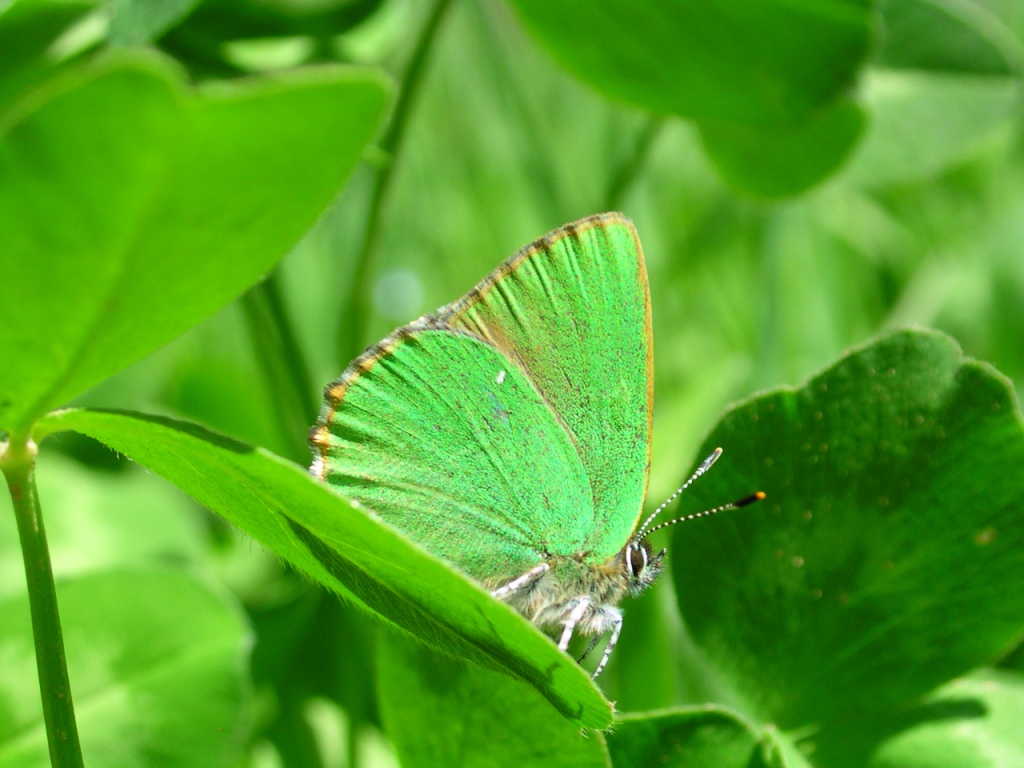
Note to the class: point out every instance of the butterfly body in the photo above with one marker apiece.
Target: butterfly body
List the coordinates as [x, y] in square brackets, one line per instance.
[544, 601]
[509, 432]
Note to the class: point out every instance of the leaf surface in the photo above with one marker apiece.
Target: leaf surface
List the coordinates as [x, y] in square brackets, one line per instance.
[157, 667]
[888, 557]
[132, 208]
[346, 550]
[441, 711]
[975, 721]
[697, 737]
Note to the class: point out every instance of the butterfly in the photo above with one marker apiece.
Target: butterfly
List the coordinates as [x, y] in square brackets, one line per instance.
[509, 431]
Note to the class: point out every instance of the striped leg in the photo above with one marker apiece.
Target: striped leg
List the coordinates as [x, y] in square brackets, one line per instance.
[612, 640]
[520, 581]
[580, 606]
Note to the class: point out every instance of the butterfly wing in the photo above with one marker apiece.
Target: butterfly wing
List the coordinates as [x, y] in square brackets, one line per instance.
[573, 311]
[440, 435]
[515, 422]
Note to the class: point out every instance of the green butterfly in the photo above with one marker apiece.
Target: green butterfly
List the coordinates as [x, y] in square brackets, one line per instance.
[509, 432]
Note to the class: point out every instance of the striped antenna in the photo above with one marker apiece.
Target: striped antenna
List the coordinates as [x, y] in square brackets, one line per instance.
[704, 467]
[733, 505]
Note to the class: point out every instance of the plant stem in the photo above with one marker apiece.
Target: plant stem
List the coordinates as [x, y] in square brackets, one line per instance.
[355, 314]
[17, 460]
[283, 365]
[629, 170]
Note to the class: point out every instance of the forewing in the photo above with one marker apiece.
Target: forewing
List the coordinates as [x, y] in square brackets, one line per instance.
[572, 310]
[443, 437]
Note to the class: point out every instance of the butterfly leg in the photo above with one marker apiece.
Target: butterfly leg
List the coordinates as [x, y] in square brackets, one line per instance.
[615, 619]
[579, 608]
[590, 648]
[520, 581]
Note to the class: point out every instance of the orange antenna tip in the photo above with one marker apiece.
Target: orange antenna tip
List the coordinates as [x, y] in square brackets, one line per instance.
[749, 499]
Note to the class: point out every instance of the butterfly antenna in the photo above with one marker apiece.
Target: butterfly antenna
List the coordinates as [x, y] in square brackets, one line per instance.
[733, 505]
[704, 467]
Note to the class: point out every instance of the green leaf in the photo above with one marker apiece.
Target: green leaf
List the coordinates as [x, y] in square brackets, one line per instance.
[888, 556]
[780, 751]
[749, 61]
[28, 27]
[223, 20]
[972, 722]
[954, 36]
[921, 123]
[779, 162]
[140, 21]
[313, 644]
[157, 672]
[343, 548]
[131, 209]
[440, 711]
[205, 41]
[699, 737]
[97, 520]
[27, 30]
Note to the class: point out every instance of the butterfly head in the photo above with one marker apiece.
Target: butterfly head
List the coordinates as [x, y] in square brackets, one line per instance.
[641, 565]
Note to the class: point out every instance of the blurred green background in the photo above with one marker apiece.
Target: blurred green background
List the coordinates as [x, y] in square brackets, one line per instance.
[919, 222]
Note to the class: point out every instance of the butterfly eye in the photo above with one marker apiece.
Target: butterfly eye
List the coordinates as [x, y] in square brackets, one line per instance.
[637, 559]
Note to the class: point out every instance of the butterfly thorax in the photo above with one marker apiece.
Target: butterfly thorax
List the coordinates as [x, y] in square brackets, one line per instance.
[547, 600]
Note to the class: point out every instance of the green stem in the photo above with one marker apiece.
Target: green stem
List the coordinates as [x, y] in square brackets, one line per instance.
[282, 363]
[17, 460]
[352, 747]
[629, 171]
[355, 315]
